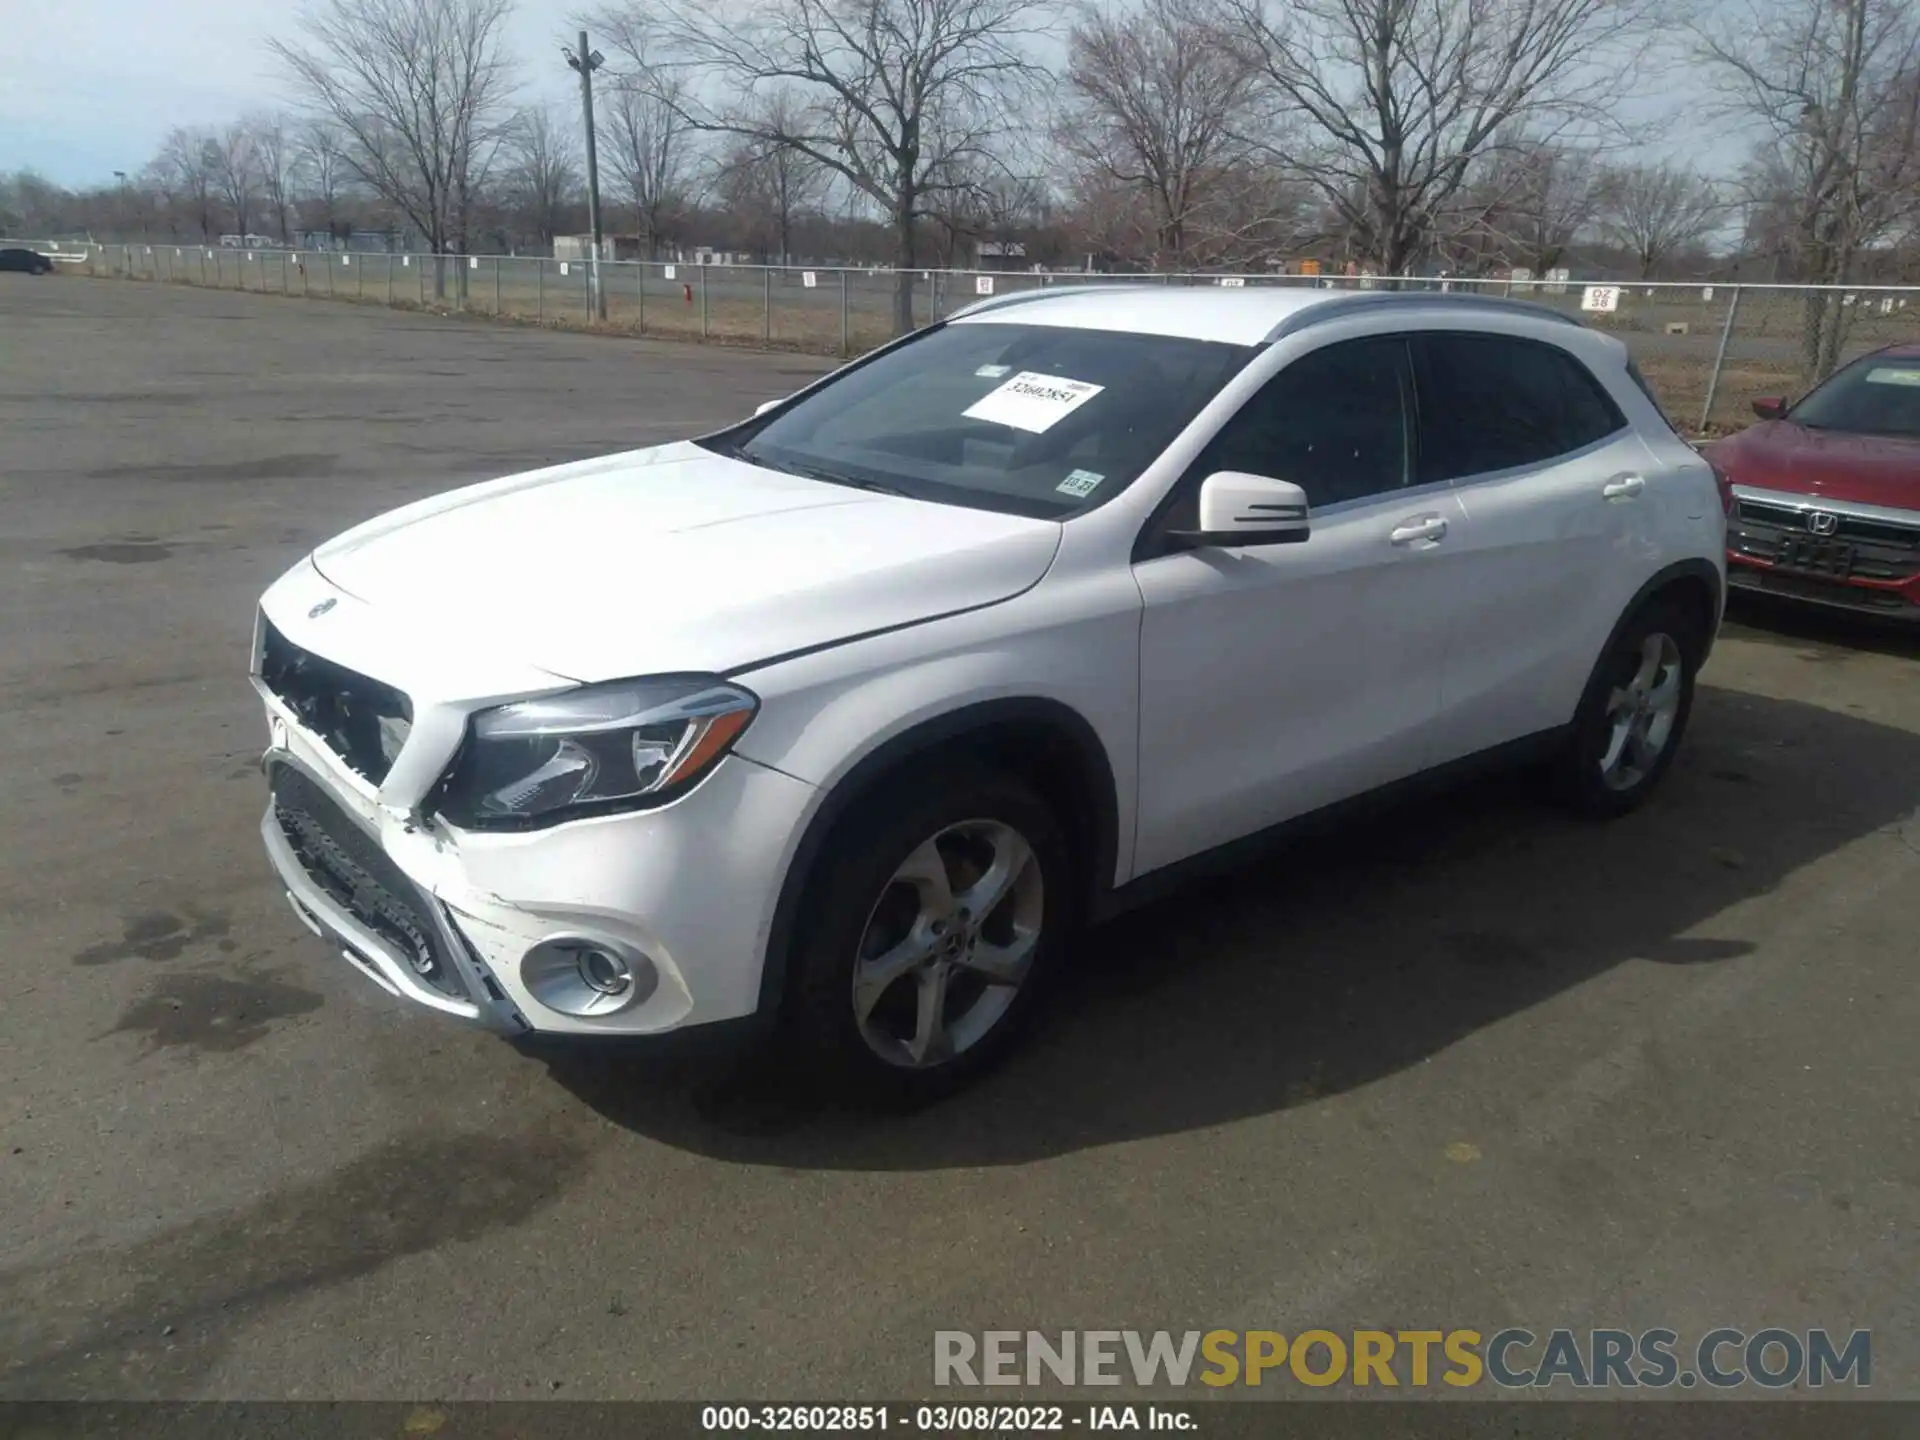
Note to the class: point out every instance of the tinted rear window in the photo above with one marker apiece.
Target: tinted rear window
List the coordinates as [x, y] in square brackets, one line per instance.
[1498, 402]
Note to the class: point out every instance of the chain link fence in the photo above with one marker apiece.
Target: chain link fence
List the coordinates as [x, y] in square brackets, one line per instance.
[1707, 350]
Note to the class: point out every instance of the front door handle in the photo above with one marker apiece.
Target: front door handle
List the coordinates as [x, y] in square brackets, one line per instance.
[1623, 487]
[1429, 528]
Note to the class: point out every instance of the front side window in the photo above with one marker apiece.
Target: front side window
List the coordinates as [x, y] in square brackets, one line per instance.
[1498, 402]
[1034, 420]
[1879, 395]
[1334, 422]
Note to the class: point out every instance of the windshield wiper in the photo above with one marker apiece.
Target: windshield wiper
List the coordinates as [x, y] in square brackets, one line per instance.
[820, 473]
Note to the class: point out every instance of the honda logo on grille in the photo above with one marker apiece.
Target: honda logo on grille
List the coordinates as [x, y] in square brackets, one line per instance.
[1823, 522]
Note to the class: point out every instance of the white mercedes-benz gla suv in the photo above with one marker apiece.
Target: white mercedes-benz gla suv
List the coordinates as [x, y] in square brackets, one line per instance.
[845, 718]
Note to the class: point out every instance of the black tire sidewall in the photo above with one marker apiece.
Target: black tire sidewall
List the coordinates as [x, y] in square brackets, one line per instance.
[860, 858]
[1580, 779]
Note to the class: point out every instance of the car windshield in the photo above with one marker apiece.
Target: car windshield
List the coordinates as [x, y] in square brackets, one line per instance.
[1034, 420]
[1876, 396]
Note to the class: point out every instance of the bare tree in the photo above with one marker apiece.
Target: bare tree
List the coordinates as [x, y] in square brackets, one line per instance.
[1833, 87]
[189, 159]
[542, 173]
[1397, 99]
[893, 96]
[1525, 206]
[321, 165]
[1654, 211]
[648, 143]
[235, 161]
[767, 183]
[274, 154]
[1161, 107]
[418, 90]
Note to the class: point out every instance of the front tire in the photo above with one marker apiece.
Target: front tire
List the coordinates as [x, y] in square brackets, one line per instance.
[1633, 714]
[928, 932]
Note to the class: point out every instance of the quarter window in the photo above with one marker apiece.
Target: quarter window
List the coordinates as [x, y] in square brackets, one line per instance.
[1497, 402]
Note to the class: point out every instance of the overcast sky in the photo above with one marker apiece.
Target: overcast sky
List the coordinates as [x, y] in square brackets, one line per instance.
[88, 87]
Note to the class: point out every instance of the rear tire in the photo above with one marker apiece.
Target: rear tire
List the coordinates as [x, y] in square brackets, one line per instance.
[1633, 714]
[928, 931]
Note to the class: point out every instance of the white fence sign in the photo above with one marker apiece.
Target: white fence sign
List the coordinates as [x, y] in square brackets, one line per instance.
[667, 271]
[1603, 299]
[1233, 282]
[983, 284]
[563, 267]
[808, 279]
[1521, 274]
[473, 262]
[406, 260]
[1557, 280]
[1706, 292]
[346, 260]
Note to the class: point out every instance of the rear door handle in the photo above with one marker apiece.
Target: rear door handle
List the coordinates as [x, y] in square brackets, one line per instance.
[1430, 528]
[1623, 487]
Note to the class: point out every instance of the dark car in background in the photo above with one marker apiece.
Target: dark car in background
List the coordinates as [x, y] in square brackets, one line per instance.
[14, 257]
[1827, 490]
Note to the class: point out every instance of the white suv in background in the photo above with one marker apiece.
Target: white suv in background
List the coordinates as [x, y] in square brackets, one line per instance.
[848, 716]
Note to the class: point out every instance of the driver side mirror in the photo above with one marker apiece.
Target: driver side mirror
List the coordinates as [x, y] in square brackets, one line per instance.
[1772, 407]
[1240, 509]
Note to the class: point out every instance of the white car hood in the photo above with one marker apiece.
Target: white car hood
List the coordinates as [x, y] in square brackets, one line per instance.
[675, 559]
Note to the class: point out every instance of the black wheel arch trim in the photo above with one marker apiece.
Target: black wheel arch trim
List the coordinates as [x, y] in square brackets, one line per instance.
[1096, 777]
[1694, 568]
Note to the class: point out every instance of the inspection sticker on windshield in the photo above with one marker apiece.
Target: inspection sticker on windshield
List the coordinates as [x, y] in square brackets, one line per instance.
[1080, 482]
[1882, 375]
[1032, 401]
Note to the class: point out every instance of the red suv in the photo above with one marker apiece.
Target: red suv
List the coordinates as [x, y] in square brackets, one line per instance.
[1827, 491]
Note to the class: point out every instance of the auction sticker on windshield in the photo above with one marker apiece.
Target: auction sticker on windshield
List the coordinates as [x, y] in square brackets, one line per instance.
[1882, 375]
[1032, 401]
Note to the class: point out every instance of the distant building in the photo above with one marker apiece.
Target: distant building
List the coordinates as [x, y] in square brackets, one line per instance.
[999, 255]
[612, 247]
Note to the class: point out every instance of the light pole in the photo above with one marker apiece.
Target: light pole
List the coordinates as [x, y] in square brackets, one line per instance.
[121, 176]
[586, 62]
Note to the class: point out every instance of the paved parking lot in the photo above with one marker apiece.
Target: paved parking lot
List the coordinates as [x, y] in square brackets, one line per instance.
[1474, 1065]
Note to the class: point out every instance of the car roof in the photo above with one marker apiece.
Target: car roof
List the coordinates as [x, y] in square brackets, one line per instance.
[1251, 315]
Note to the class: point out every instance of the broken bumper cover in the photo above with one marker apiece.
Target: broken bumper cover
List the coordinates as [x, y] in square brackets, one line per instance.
[467, 924]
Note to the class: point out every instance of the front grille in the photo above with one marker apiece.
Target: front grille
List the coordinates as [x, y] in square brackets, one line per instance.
[360, 719]
[346, 862]
[1856, 549]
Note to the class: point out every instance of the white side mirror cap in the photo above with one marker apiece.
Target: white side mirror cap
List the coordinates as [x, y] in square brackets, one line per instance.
[1241, 509]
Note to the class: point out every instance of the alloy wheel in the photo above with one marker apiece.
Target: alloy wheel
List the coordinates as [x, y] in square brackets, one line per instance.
[948, 944]
[1641, 713]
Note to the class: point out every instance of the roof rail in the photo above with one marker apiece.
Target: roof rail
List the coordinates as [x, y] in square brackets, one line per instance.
[1039, 292]
[1341, 305]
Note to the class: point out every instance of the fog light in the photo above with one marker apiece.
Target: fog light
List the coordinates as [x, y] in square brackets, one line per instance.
[587, 975]
[603, 970]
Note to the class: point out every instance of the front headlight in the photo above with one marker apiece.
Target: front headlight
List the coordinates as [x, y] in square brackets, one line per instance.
[621, 746]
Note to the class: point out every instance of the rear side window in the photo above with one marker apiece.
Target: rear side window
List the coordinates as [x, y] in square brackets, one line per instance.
[1498, 402]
